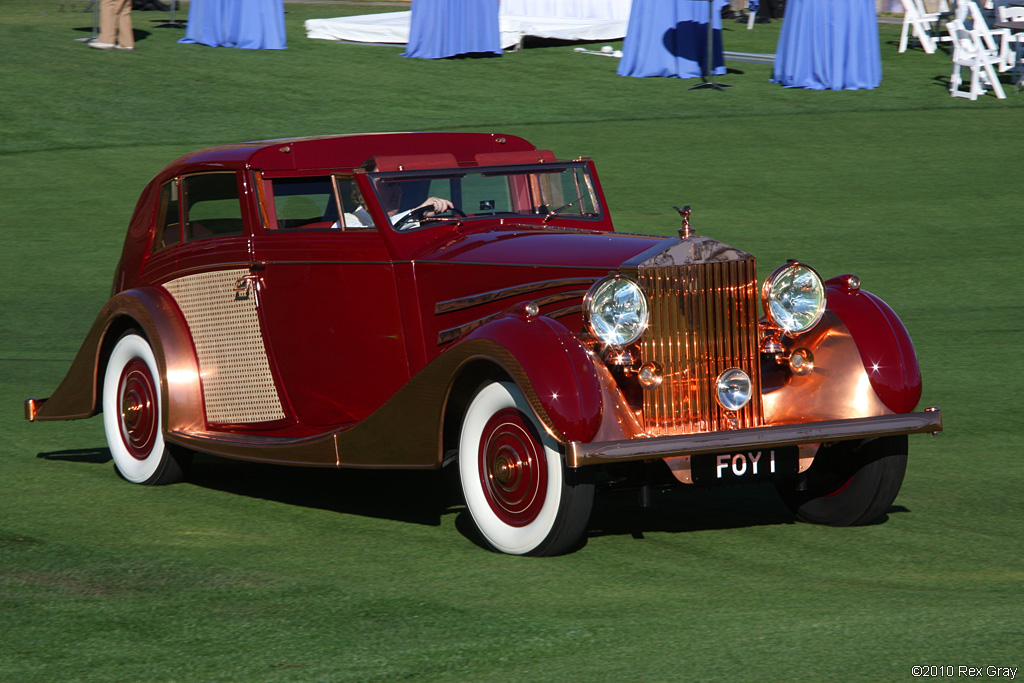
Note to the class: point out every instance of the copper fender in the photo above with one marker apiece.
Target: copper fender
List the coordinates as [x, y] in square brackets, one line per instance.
[883, 343]
[151, 310]
[864, 365]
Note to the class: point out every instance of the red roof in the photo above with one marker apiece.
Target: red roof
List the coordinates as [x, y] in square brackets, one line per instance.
[343, 151]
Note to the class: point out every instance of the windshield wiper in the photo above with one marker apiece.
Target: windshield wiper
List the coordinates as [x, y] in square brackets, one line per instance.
[552, 214]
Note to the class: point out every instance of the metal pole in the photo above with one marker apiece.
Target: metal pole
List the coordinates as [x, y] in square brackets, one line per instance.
[172, 23]
[95, 7]
[709, 78]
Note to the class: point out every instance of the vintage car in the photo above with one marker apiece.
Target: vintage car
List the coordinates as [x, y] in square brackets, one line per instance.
[420, 300]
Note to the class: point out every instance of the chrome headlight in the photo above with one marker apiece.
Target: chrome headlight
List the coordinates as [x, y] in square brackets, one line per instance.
[794, 297]
[616, 311]
[733, 389]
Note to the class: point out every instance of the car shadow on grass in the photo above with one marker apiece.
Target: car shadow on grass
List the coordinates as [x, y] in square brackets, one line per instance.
[417, 497]
[425, 497]
[683, 509]
[96, 456]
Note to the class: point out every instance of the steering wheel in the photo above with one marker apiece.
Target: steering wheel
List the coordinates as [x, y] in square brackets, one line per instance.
[420, 213]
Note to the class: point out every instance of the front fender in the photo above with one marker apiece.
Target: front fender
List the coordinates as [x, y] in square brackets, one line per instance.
[864, 364]
[884, 344]
[556, 372]
[151, 310]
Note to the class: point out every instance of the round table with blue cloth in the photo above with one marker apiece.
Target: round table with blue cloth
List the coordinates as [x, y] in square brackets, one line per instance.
[829, 45]
[669, 38]
[253, 24]
[446, 28]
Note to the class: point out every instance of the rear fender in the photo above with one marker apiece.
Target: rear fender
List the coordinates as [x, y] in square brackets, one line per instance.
[152, 311]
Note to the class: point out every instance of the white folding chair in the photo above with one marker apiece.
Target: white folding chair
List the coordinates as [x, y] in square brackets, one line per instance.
[1006, 13]
[970, 52]
[919, 21]
[994, 39]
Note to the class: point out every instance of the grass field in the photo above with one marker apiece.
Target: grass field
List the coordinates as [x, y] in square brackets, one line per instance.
[252, 573]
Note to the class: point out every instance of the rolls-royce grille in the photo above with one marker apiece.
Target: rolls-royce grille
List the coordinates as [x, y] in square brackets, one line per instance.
[703, 322]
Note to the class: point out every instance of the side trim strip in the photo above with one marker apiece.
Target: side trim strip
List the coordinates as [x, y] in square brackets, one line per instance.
[497, 294]
[452, 333]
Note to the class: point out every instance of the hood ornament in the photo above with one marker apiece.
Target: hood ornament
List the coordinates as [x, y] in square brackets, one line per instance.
[685, 231]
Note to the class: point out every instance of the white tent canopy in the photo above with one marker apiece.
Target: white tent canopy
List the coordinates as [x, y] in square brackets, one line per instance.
[588, 20]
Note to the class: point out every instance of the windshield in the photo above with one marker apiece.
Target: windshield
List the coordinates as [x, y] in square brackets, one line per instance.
[415, 199]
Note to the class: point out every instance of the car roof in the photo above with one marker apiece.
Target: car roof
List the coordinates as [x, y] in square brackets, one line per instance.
[342, 151]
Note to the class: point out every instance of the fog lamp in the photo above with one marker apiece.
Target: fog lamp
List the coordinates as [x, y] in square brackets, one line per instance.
[650, 375]
[733, 389]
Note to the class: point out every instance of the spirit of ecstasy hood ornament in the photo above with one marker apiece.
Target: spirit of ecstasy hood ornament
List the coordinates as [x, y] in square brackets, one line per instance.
[685, 231]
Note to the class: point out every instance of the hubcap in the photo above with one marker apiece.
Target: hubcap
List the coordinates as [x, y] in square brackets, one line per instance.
[513, 468]
[139, 414]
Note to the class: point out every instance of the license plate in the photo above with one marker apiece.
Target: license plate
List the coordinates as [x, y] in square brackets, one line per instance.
[744, 466]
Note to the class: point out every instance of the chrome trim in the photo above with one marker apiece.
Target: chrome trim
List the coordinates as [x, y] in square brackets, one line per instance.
[507, 292]
[766, 290]
[703, 320]
[580, 454]
[568, 310]
[32, 406]
[451, 334]
[588, 299]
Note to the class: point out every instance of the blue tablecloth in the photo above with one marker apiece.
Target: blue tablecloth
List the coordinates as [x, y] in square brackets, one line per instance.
[445, 28]
[829, 45]
[249, 24]
[670, 38]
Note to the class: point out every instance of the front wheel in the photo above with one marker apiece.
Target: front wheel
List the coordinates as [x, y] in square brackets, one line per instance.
[850, 483]
[132, 415]
[522, 498]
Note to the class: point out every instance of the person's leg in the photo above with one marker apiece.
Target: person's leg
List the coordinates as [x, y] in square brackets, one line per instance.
[125, 33]
[108, 20]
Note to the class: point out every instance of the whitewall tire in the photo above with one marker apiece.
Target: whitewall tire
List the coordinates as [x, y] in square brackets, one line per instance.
[133, 415]
[518, 491]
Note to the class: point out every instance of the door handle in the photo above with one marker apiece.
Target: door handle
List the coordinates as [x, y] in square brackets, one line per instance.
[244, 285]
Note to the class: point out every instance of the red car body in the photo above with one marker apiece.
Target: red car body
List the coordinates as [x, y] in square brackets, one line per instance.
[280, 328]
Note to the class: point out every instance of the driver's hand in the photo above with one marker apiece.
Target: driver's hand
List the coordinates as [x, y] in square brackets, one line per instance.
[437, 205]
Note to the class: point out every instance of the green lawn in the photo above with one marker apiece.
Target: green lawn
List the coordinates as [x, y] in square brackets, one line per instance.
[253, 573]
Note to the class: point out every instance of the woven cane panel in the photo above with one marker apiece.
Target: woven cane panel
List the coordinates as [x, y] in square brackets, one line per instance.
[237, 384]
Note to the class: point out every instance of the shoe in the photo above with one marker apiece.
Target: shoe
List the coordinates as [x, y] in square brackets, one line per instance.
[123, 47]
[101, 46]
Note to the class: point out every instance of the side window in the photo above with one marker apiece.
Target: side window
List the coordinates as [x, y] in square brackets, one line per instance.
[212, 206]
[304, 203]
[168, 219]
[353, 204]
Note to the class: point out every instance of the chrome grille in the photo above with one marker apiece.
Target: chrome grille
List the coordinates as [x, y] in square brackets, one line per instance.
[703, 321]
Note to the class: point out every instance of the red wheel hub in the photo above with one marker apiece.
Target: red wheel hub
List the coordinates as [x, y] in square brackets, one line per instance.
[513, 468]
[137, 401]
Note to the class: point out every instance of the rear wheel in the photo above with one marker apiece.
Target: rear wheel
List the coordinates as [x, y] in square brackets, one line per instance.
[849, 484]
[132, 415]
[522, 498]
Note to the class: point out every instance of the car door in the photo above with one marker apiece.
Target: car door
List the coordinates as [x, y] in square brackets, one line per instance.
[328, 300]
[200, 253]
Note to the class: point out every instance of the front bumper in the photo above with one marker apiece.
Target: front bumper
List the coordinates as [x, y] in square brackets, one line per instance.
[581, 454]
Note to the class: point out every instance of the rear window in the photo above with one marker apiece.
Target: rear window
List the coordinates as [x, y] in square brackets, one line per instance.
[212, 206]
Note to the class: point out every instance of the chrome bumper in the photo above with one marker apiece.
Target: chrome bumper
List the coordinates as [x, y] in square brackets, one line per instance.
[580, 454]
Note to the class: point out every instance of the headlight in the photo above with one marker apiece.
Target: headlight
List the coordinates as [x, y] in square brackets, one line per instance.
[616, 311]
[733, 389]
[794, 297]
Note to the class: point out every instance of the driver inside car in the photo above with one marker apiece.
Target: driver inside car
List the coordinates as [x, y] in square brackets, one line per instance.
[390, 194]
